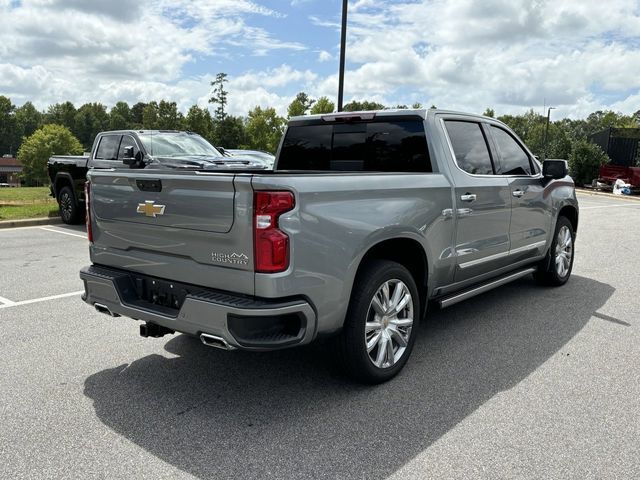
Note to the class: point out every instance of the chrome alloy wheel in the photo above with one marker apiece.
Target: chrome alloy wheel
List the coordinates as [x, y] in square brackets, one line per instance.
[564, 251]
[66, 205]
[389, 322]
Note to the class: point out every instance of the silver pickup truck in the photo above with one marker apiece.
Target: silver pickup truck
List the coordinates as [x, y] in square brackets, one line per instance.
[366, 219]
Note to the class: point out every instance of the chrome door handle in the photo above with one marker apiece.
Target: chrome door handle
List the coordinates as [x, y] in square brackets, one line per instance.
[468, 197]
[463, 212]
[517, 193]
[447, 213]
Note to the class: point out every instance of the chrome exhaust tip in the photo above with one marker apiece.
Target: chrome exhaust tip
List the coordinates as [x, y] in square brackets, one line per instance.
[214, 341]
[104, 309]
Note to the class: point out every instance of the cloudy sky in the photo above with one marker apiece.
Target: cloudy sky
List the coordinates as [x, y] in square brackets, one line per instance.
[512, 55]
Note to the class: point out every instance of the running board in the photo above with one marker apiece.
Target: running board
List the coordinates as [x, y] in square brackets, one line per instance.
[484, 287]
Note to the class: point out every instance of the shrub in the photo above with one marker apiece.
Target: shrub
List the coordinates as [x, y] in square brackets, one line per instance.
[584, 161]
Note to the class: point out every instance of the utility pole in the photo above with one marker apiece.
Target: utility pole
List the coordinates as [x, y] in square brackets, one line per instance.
[546, 132]
[343, 47]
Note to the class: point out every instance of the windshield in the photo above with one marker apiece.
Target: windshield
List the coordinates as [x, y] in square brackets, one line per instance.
[164, 144]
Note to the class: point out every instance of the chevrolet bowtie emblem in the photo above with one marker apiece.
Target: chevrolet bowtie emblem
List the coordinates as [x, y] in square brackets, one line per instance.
[150, 209]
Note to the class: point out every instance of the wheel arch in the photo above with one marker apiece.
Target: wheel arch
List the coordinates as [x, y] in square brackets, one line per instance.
[63, 180]
[571, 213]
[406, 251]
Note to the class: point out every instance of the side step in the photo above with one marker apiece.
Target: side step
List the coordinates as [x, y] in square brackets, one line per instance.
[449, 300]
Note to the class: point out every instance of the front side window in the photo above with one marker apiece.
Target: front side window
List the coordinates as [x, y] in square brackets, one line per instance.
[108, 147]
[378, 146]
[470, 147]
[514, 160]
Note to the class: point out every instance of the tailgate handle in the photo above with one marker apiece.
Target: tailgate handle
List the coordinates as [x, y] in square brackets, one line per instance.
[149, 185]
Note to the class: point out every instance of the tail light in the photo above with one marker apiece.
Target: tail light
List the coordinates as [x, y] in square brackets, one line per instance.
[271, 244]
[87, 203]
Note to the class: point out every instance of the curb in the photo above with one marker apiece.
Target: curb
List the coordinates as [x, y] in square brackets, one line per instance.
[635, 198]
[30, 222]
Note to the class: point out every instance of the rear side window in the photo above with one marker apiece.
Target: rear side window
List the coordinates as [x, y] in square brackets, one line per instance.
[382, 146]
[514, 160]
[470, 147]
[108, 147]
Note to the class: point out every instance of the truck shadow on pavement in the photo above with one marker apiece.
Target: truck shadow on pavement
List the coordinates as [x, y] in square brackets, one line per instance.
[216, 414]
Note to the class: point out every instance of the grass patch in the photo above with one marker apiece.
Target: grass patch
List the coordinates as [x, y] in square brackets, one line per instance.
[25, 194]
[26, 202]
[36, 210]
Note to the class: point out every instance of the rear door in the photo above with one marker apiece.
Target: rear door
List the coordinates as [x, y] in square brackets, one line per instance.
[530, 215]
[483, 201]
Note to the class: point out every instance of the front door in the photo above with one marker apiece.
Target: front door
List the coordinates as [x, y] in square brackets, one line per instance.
[530, 214]
[482, 202]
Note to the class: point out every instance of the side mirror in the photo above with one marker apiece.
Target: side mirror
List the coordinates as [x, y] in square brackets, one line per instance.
[220, 149]
[554, 169]
[129, 158]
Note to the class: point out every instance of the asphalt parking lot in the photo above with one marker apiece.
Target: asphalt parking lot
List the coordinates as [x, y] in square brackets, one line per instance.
[522, 382]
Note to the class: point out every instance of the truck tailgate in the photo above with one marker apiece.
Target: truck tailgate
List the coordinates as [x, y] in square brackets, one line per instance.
[183, 226]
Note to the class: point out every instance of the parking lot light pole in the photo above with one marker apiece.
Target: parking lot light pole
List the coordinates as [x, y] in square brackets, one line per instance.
[546, 132]
[343, 46]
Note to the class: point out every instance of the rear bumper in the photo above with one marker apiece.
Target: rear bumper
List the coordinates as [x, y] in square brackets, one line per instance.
[243, 322]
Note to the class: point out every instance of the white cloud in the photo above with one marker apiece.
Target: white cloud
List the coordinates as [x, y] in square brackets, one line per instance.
[54, 50]
[579, 55]
[324, 56]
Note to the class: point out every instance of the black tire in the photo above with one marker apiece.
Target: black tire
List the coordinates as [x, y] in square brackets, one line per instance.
[351, 346]
[549, 273]
[70, 212]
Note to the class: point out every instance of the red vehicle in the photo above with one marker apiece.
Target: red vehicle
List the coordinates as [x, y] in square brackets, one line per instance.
[611, 173]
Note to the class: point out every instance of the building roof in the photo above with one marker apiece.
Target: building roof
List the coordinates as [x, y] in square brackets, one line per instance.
[10, 162]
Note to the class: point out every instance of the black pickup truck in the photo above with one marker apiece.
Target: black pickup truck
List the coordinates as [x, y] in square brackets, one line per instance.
[138, 149]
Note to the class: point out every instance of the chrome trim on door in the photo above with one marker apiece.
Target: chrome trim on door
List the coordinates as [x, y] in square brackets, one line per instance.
[496, 256]
[525, 248]
[478, 261]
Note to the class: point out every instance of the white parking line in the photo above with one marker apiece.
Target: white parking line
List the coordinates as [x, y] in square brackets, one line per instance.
[611, 206]
[6, 301]
[63, 232]
[38, 300]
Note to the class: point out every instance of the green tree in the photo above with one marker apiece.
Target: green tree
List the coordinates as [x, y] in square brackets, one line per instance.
[416, 106]
[356, 106]
[50, 139]
[264, 129]
[300, 105]
[601, 120]
[136, 114]
[558, 142]
[585, 160]
[28, 120]
[62, 114]
[523, 124]
[489, 113]
[90, 119]
[7, 126]
[230, 132]
[169, 118]
[323, 105]
[150, 116]
[120, 117]
[199, 120]
[219, 96]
